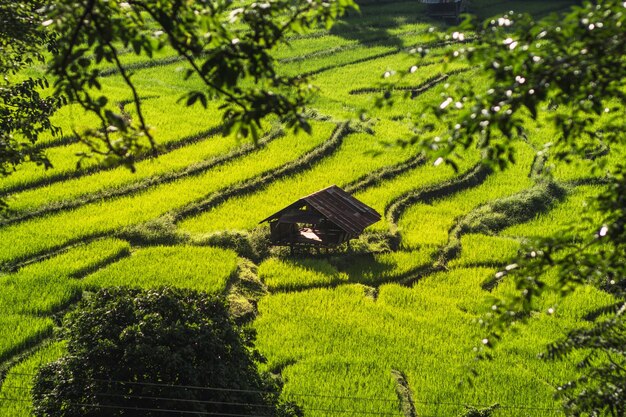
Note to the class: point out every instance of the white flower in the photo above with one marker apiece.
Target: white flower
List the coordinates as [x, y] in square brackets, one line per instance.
[510, 267]
[445, 103]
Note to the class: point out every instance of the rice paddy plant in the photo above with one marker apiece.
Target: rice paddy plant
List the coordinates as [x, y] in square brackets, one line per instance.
[131, 61]
[428, 224]
[380, 196]
[15, 398]
[335, 391]
[397, 9]
[198, 268]
[47, 286]
[587, 167]
[584, 166]
[563, 218]
[348, 56]
[63, 159]
[358, 155]
[336, 41]
[568, 305]
[284, 275]
[31, 237]
[485, 9]
[380, 268]
[296, 274]
[69, 115]
[340, 342]
[404, 105]
[348, 83]
[20, 331]
[304, 48]
[479, 249]
[150, 170]
[170, 129]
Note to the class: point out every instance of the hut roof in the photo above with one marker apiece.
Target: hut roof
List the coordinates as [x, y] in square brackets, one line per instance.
[337, 206]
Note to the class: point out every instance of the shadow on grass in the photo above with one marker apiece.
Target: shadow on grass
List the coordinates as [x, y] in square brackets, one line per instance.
[376, 19]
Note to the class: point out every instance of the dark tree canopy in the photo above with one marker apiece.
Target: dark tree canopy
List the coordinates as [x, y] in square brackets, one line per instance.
[567, 71]
[131, 352]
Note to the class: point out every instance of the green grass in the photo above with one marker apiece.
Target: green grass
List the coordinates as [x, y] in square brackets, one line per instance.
[478, 249]
[359, 154]
[20, 331]
[340, 341]
[564, 218]
[175, 161]
[337, 325]
[385, 267]
[163, 114]
[15, 394]
[294, 274]
[197, 268]
[34, 236]
[46, 286]
[439, 217]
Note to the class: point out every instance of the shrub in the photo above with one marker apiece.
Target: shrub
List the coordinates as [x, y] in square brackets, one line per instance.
[138, 353]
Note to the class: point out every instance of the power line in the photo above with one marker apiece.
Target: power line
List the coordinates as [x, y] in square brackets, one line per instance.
[125, 396]
[289, 394]
[325, 410]
[147, 397]
[220, 389]
[207, 413]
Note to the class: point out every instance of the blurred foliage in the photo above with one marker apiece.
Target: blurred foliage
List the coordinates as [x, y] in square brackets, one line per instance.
[226, 49]
[569, 71]
[24, 111]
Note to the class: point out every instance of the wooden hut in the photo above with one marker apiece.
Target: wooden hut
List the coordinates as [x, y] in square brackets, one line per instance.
[327, 217]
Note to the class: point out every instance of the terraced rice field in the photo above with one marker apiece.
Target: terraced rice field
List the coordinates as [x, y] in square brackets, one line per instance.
[343, 329]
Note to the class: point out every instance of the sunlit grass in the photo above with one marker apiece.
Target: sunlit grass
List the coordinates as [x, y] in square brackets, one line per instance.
[15, 390]
[198, 268]
[358, 155]
[479, 249]
[428, 224]
[409, 329]
[33, 236]
[293, 274]
[176, 160]
[563, 218]
[46, 286]
[170, 122]
[20, 331]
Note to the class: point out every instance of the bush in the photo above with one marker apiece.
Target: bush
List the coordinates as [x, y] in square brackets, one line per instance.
[133, 352]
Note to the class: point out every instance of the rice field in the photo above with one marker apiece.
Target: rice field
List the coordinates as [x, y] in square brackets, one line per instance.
[342, 329]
